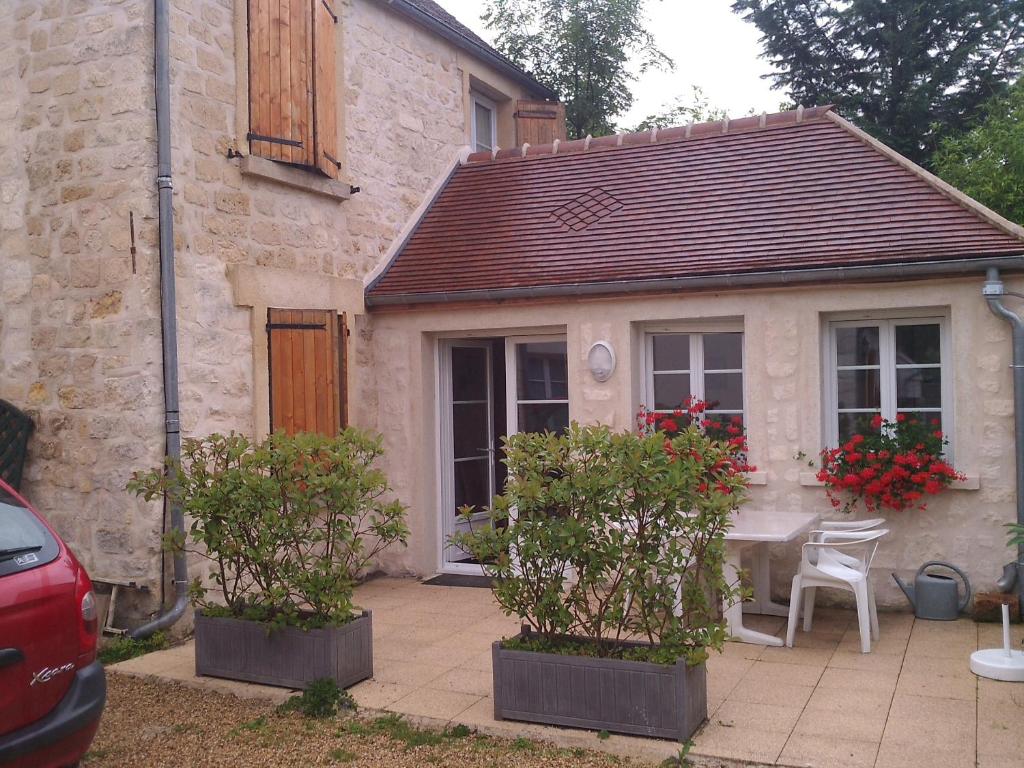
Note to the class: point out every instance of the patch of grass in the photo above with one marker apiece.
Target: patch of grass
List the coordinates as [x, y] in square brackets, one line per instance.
[460, 731]
[124, 648]
[254, 725]
[603, 735]
[523, 744]
[343, 755]
[322, 699]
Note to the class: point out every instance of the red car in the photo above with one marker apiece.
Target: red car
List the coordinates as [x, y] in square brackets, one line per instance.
[52, 688]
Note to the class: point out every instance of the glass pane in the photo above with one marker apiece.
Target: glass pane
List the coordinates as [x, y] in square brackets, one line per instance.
[672, 352]
[19, 528]
[469, 373]
[724, 391]
[917, 344]
[472, 484]
[543, 371]
[919, 388]
[857, 346]
[723, 350]
[469, 429]
[931, 419]
[484, 129]
[543, 417]
[670, 390]
[859, 389]
[854, 423]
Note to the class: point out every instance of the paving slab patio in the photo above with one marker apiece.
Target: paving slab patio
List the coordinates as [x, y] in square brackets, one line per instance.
[911, 702]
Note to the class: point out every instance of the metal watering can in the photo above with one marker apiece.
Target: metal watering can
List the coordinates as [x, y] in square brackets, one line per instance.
[934, 596]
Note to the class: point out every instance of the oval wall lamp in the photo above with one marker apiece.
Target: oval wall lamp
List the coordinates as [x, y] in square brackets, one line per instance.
[601, 360]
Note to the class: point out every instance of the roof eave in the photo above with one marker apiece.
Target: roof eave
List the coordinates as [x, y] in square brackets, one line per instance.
[469, 45]
[724, 281]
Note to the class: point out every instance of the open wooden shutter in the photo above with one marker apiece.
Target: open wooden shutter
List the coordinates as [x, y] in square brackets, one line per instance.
[307, 370]
[281, 80]
[539, 122]
[325, 106]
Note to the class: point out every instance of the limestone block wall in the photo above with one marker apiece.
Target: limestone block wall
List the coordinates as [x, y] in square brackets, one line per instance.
[783, 382]
[79, 325]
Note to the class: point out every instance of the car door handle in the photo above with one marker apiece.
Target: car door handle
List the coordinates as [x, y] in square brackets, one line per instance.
[10, 656]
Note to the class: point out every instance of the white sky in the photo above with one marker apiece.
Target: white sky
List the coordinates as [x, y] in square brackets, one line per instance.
[712, 48]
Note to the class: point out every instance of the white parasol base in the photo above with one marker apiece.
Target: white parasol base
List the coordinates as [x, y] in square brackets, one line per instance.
[1000, 663]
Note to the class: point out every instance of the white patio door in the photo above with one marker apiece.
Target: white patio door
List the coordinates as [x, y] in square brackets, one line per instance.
[467, 436]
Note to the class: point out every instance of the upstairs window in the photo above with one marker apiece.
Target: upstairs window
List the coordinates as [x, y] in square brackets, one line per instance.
[292, 88]
[485, 124]
[703, 366]
[886, 367]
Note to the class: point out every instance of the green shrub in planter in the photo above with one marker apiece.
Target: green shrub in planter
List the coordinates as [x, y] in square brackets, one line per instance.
[603, 537]
[288, 523]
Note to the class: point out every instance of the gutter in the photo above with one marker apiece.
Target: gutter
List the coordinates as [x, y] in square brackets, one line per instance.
[168, 313]
[726, 281]
[993, 291]
[474, 47]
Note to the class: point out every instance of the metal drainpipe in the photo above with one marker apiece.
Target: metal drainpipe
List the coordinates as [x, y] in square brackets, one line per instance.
[993, 293]
[168, 314]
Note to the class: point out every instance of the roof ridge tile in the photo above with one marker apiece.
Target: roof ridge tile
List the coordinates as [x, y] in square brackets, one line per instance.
[657, 135]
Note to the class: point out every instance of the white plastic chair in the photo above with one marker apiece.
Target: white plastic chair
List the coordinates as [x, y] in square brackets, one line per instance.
[842, 560]
[845, 526]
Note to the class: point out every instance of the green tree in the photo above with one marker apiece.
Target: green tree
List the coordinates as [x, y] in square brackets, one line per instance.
[695, 108]
[910, 72]
[987, 162]
[585, 50]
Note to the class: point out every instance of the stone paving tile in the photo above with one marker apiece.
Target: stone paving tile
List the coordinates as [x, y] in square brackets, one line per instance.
[945, 678]
[741, 744]
[817, 752]
[430, 702]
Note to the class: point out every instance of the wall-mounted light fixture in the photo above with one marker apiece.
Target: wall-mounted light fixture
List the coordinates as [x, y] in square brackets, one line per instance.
[601, 360]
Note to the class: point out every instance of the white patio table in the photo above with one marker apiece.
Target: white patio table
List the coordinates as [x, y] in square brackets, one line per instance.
[758, 528]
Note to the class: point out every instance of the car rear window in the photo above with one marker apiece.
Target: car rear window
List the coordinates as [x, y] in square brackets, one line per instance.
[25, 543]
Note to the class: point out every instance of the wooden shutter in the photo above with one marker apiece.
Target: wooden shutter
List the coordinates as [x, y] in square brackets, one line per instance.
[307, 370]
[539, 122]
[281, 80]
[325, 106]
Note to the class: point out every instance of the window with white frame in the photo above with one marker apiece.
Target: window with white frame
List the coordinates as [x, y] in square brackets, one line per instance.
[704, 366]
[886, 367]
[485, 123]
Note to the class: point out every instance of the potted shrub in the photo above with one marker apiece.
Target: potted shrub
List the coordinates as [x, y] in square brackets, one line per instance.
[609, 547]
[288, 525]
[889, 465]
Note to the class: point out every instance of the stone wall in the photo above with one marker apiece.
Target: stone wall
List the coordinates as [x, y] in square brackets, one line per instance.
[79, 329]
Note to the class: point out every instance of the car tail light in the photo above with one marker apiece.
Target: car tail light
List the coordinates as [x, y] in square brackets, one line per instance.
[88, 628]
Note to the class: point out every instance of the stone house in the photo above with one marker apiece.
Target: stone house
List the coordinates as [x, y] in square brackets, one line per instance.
[304, 134]
[787, 267]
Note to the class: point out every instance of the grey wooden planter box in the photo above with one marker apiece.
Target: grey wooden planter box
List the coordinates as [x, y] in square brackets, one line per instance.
[633, 697]
[289, 657]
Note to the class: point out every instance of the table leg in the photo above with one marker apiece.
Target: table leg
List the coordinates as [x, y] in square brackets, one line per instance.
[760, 566]
[734, 613]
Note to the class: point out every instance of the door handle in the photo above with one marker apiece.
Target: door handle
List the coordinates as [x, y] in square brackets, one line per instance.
[10, 656]
[486, 450]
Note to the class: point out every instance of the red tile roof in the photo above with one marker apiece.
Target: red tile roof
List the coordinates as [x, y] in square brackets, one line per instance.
[793, 191]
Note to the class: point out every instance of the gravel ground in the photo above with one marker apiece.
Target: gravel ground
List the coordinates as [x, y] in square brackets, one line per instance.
[148, 723]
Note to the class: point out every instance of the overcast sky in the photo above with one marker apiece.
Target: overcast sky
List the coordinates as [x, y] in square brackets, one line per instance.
[712, 47]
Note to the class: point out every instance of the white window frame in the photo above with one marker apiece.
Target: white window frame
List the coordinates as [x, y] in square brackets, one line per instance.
[888, 367]
[696, 370]
[512, 401]
[483, 101]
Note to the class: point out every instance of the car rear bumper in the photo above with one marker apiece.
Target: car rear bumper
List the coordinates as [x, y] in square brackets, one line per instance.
[64, 734]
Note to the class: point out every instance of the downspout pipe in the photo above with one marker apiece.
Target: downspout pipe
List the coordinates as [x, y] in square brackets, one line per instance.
[994, 292]
[168, 312]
